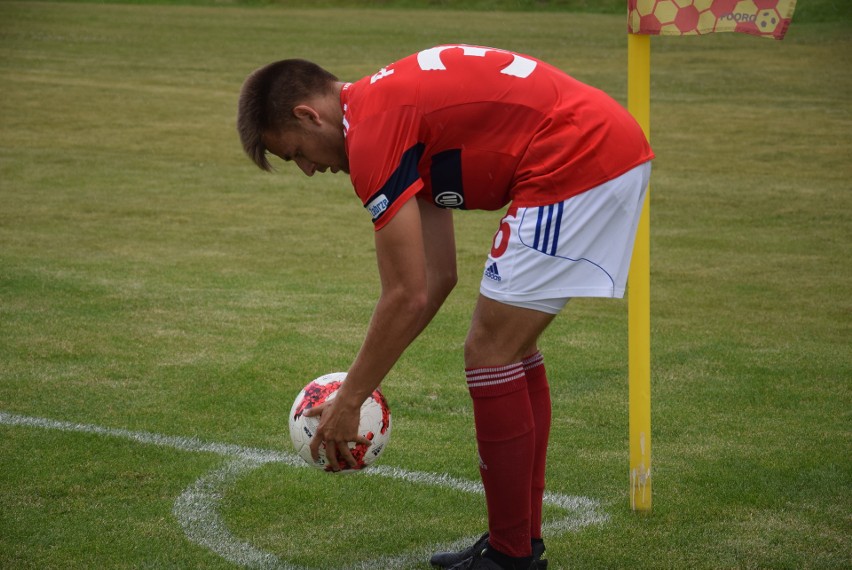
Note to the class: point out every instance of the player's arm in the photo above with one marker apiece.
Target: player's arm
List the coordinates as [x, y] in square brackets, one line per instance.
[440, 250]
[414, 282]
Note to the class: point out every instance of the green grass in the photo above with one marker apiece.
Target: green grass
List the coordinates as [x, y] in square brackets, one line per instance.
[807, 11]
[152, 279]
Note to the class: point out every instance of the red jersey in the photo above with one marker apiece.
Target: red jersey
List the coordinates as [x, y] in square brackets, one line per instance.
[475, 128]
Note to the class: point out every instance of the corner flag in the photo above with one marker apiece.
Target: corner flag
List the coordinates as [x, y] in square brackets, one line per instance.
[765, 18]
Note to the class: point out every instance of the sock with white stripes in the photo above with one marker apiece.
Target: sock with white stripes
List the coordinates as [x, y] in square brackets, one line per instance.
[505, 435]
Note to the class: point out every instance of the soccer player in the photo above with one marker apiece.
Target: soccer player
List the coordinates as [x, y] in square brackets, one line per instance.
[459, 127]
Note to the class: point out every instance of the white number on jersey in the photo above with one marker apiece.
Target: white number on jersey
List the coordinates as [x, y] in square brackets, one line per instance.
[430, 60]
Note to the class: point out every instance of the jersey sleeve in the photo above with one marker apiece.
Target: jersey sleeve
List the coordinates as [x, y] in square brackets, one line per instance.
[384, 153]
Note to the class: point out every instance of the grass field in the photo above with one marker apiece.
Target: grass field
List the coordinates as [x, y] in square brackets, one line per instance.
[162, 301]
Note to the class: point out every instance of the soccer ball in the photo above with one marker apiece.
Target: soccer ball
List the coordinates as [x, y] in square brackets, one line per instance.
[375, 423]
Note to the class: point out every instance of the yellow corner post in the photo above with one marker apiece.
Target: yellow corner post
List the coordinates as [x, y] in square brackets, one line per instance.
[639, 292]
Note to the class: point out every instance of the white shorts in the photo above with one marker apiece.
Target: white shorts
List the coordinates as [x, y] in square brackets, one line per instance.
[542, 256]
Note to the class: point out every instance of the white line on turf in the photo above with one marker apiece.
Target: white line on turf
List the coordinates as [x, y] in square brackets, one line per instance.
[197, 508]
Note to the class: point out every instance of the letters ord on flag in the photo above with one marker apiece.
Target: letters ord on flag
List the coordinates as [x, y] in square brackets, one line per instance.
[765, 18]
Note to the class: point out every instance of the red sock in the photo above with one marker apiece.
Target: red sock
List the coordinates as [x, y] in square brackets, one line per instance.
[539, 392]
[505, 435]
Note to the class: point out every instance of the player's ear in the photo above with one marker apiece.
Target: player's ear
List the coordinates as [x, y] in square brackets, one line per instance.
[306, 114]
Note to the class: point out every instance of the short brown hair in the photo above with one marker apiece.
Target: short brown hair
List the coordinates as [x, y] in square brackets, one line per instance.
[268, 97]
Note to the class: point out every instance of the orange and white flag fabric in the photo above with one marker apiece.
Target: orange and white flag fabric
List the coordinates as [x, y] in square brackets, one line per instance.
[766, 18]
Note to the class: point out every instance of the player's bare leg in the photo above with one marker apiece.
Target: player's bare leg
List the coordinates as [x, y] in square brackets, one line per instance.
[502, 334]
[500, 338]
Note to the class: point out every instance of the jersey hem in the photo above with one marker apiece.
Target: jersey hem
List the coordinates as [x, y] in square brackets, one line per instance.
[528, 202]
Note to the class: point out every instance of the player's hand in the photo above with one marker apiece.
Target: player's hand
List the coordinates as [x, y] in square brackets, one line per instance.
[338, 426]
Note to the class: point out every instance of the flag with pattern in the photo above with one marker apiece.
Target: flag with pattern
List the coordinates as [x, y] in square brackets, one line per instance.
[765, 18]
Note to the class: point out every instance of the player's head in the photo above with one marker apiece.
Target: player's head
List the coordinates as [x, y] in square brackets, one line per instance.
[269, 98]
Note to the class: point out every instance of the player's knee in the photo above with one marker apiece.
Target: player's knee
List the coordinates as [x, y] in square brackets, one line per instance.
[482, 349]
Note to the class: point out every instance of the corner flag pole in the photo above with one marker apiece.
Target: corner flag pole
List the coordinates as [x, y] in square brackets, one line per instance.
[639, 291]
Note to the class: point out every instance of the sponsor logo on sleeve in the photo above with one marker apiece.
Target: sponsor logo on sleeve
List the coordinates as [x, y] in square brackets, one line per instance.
[377, 206]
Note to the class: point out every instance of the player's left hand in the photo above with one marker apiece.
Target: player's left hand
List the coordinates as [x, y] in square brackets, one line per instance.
[338, 426]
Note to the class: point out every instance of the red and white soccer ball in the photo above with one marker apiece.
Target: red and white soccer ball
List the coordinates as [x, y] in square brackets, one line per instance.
[375, 423]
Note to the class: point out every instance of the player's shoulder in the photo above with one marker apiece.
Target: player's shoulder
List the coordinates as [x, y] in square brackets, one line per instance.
[382, 92]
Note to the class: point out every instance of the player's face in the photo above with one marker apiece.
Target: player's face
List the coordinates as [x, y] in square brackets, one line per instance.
[315, 149]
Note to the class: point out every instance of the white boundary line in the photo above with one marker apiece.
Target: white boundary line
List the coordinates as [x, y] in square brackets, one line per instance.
[197, 508]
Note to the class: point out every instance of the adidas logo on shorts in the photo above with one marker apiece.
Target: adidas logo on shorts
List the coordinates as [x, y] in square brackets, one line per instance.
[492, 273]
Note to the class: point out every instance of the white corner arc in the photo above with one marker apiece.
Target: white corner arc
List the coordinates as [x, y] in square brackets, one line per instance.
[197, 508]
